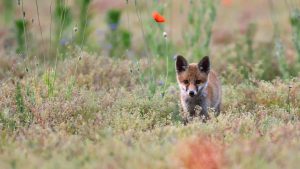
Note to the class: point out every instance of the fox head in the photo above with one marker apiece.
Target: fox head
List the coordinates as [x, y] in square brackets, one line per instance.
[192, 78]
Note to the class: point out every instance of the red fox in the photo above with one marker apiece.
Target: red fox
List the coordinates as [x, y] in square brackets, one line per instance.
[199, 86]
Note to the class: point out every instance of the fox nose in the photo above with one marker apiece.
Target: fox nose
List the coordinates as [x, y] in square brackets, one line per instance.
[192, 93]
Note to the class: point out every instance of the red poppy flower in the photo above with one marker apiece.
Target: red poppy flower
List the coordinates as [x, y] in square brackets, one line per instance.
[157, 17]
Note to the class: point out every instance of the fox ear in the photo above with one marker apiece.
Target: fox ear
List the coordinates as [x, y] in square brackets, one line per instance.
[181, 64]
[204, 65]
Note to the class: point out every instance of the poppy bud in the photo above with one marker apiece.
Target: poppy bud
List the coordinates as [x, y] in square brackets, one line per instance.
[165, 35]
[75, 29]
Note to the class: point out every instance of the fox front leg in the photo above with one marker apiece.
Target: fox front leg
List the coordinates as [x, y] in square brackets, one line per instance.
[204, 112]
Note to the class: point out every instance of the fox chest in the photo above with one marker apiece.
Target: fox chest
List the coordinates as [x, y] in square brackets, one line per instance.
[194, 104]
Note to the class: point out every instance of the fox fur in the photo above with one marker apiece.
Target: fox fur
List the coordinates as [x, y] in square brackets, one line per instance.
[199, 87]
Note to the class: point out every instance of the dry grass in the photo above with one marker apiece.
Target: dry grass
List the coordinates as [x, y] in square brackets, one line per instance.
[121, 126]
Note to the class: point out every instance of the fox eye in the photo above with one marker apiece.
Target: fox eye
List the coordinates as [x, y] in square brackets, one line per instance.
[198, 81]
[186, 82]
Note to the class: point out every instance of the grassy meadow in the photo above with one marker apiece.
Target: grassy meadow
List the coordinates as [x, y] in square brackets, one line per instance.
[92, 84]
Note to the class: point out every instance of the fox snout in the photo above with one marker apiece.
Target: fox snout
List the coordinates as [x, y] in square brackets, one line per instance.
[195, 91]
[192, 93]
[192, 90]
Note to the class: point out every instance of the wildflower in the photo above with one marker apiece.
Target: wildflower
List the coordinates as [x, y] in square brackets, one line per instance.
[165, 35]
[113, 26]
[161, 83]
[64, 42]
[113, 19]
[226, 2]
[200, 153]
[157, 17]
[75, 29]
